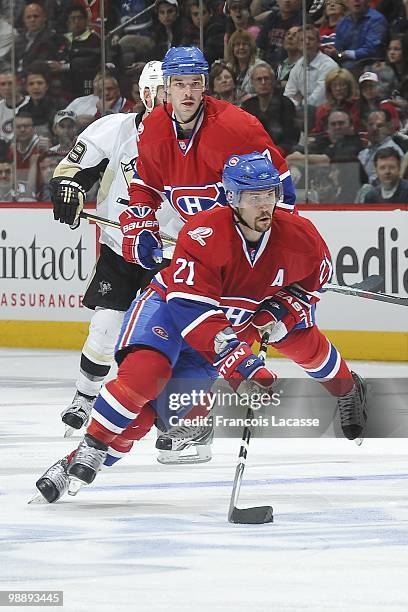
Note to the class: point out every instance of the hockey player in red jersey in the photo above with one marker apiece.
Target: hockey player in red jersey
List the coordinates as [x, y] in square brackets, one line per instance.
[182, 150]
[236, 271]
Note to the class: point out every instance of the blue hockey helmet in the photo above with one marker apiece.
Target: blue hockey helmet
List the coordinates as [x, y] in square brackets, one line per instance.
[184, 60]
[250, 172]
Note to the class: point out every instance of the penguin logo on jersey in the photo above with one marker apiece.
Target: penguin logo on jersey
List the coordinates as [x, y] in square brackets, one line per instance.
[200, 234]
[104, 287]
[188, 201]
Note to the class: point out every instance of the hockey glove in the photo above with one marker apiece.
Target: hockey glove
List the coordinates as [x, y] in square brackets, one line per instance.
[289, 308]
[68, 199]
[141, 239]
[237, 363]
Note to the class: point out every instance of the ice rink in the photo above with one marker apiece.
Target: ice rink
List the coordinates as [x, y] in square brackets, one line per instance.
[148, 537]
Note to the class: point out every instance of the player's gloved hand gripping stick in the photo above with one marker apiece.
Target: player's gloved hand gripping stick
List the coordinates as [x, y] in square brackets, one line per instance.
[141, 244]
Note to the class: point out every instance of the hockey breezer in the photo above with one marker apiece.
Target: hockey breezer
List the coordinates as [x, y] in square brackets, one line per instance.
[258, 514]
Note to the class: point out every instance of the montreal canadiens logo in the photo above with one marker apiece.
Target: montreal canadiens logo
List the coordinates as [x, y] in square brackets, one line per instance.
[161, 332]
[200, 234]
[188, 201]
[233, 161]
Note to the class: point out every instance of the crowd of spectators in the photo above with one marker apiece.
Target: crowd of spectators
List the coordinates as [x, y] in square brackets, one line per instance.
[52, 83]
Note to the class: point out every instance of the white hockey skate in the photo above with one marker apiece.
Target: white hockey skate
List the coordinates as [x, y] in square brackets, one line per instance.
[353, 410]
[86, 462]
[53, 483]
[77, 414]
[185, 445]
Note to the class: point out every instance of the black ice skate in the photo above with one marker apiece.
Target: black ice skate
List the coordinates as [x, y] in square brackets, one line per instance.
[174, 442]
[78, 413]
[87, 461]
[353, 410]
[53, 483]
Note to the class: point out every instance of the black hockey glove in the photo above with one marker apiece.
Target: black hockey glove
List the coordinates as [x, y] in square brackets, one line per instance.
[68, 199]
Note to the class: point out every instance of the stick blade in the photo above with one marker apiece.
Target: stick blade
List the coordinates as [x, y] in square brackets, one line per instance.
[251, 516]
[373, 283]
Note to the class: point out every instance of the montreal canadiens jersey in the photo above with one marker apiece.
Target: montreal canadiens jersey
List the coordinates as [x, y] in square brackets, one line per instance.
[188, 173]
[107, 147]
[216, 279]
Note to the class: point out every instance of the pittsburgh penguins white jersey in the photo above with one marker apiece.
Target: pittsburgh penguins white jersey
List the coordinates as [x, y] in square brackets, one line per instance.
[107, 149]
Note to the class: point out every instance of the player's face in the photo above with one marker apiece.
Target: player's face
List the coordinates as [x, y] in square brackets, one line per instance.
[256, 208]
[186, 93]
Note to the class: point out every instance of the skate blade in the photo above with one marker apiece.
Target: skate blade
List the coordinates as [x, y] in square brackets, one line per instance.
[69, 431]
[74, 485]
[358, 441]
[176, 458]
[37, 499]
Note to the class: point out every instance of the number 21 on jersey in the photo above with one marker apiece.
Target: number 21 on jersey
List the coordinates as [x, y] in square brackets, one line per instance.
[184, 272]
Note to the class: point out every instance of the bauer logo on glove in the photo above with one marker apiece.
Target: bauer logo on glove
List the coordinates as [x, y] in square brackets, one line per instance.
[141, 239]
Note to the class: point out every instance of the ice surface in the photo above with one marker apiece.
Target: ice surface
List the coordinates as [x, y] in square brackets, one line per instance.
[149, 537]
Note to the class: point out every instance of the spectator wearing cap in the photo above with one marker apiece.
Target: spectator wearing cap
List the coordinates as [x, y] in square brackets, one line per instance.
[41, 105]
[379, 134]
[239, 18]
[286, 15]
[274, 110]
[167, 27]
[65, 131]
[318, 65]
[370, 100]
[391, 189]
[222, 83]
[360, 35]
[213, 30]
[37, 42]
[293, 53]
[241, 57]
[7, 111]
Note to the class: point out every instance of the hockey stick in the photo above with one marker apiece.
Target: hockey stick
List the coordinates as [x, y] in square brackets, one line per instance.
[259, 514]
[367, 289]
[90, 217]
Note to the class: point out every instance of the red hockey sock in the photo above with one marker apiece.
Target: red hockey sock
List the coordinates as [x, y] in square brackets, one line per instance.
[313, 352]
[141, 377]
